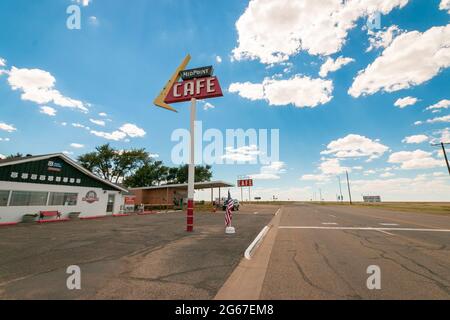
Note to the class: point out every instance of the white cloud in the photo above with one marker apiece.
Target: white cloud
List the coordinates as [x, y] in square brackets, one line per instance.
[68, 153]
[116, 135]
[443, 104]
[387, 175]
[103, 114]
[208, 106]
[333, 65]
[77, 145]
[270, 172]
[332, 167]
[315, 177]
[382, 39]
[354, 145]
[48, 111]
[218, 59]
[419, 188]
[98, 122]
[127, 130]
[420, 138]
[248, 90]
[411, 59]
[78, 125]
[5, 139]
[445, 5]
[299, 91]
[444, 136]
[38, 86]
[84, 3]
[132, 130]
[2, 156]
[272, 31]
[2, 62]
[404, 102]
[7, 127]
[417, 159]
[241, 154]
[439, 119]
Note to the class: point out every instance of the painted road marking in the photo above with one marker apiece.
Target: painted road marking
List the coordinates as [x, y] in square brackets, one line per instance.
[278, 211]
[329, 223]
[332, 216]
[367, 229]
[255, 212]
[385, 232]
[389, 224]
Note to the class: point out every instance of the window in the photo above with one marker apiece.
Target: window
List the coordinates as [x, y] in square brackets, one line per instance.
[28, 198]
[4, 198]
[63, 199]
[111, 200]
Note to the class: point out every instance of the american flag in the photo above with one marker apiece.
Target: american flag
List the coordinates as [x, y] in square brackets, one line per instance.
[228, 212]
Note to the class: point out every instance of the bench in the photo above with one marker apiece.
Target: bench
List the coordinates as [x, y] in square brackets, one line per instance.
[50, 216]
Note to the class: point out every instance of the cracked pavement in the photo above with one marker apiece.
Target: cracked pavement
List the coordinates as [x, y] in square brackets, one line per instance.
[136, 257]
[332, 264]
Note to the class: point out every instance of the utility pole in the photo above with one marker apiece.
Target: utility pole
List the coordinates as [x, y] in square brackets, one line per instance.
[340, 188]
[320, 193]
[348, 185]
[442, 144]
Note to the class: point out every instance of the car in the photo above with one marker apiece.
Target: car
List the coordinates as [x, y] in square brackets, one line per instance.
[236, 205]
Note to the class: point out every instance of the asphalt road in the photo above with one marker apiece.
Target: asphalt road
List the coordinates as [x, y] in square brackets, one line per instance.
[323, 252]
[136, 257]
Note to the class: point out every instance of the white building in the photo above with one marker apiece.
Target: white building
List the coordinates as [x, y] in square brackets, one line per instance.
[54, 182]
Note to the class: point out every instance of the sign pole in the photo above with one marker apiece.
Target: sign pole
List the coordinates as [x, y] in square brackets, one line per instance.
[191, 173]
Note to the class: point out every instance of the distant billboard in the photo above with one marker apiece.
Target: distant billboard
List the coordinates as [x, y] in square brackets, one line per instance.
[372, 198]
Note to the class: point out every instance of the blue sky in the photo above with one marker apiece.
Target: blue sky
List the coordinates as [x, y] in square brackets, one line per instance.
[271, 54]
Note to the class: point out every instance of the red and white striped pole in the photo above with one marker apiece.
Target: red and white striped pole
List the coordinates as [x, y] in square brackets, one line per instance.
[191, 173]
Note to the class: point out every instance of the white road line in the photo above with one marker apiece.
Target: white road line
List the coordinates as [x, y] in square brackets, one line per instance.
[278, 211]
[253, 245]
[332, 216]
[329, 223]
[255, 212]
[385, 232]
[366, 229]
[389, 224]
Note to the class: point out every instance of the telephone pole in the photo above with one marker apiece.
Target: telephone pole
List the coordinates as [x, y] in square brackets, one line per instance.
[348, 185]
[442, 145]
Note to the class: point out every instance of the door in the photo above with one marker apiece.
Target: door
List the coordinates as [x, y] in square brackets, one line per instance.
[111, 201]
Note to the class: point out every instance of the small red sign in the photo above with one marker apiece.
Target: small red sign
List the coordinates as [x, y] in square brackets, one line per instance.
[130, 200]
[201, 88]
[245, 183]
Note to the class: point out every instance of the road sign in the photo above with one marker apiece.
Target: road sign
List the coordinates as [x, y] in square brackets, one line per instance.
[245, 183]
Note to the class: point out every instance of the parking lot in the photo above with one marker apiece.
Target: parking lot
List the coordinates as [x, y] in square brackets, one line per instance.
[135, 257]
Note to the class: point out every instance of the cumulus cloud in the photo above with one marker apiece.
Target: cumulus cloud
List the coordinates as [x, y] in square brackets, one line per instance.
[103, 114]
[39, 86]
[417, 159]
[404, 102]
[443, 104]
[127, 130]
[332, 167]
[301, 91]
[218, 59]
[242, 154]
[270, 172]
[48, 111]
[2, 62]
[77, 145]
[7, 127]
[272, 31]
[445, 5]
[84, 3]
[411, 59]
[442, 119]
[98, 122]
[420, 138]
[382, 39]
[333, 65]
[355, 146]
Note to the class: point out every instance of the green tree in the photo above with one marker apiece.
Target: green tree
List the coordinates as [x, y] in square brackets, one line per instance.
[202, 174]
[114, 165]
[150, 174]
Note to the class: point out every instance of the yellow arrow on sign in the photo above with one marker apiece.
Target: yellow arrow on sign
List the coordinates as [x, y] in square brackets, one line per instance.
[159, 101]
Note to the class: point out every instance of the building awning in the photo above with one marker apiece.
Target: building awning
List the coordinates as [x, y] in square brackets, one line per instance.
[197, 186]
